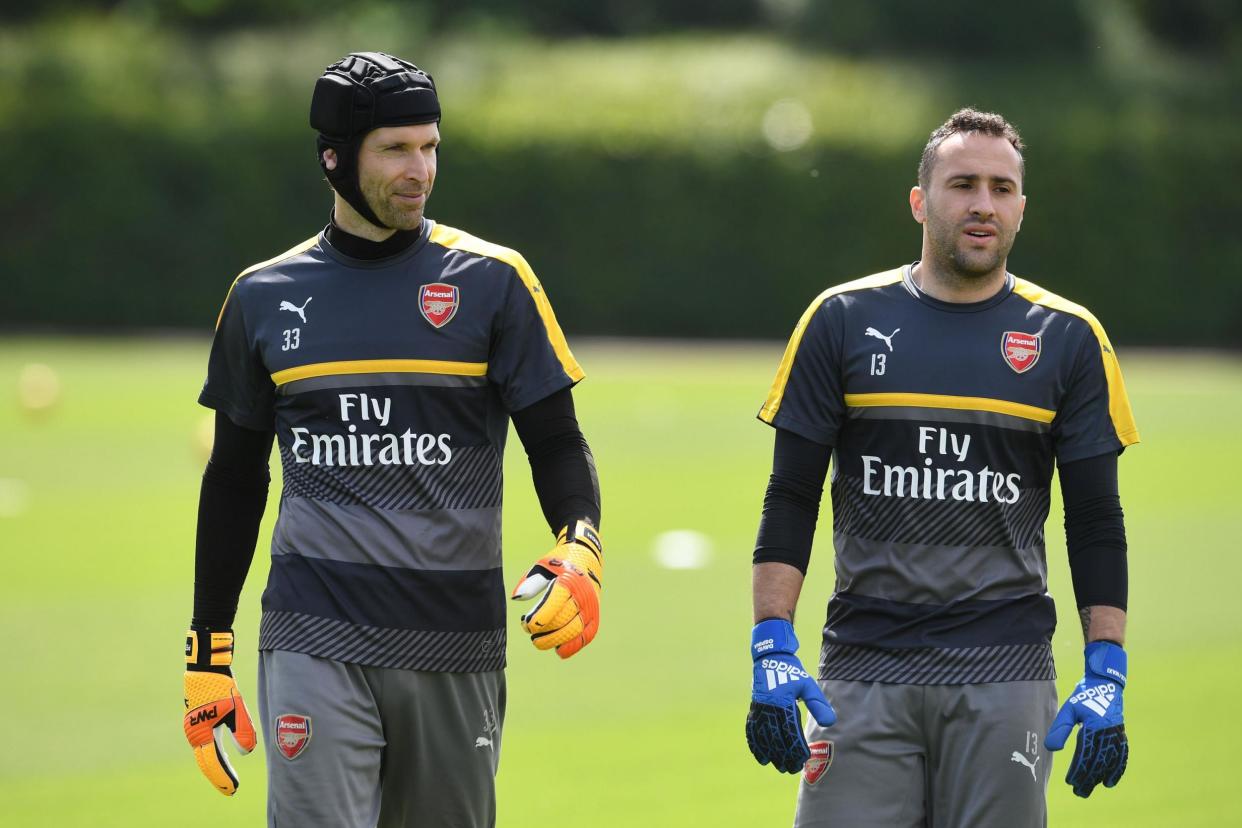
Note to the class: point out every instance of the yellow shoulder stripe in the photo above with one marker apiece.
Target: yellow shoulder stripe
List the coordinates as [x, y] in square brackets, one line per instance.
[1118, 401]
[292, 251]
[456, 239]
[380, 366]
[777, 393]
[1013, 409]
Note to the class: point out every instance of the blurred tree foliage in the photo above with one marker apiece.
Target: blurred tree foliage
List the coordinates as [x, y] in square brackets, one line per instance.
[697, 185]
[920, 28]
[908, 27]
[1210, 26]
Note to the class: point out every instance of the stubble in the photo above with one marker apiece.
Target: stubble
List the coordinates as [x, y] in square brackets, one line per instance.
[955, 261]
[391, 213]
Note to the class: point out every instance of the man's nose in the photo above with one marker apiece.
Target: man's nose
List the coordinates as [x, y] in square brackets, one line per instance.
[982, 205]
[416, 169]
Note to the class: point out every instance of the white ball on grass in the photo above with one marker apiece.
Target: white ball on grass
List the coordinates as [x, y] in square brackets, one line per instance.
[682, 549]
[38, 389]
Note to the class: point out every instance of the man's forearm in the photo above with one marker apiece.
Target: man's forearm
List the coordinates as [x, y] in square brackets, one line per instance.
[230, 509]
[1103, 623]
[561, 464]
[775, 588]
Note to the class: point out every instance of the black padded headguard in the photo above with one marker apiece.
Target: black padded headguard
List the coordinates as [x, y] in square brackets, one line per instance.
[358, 93]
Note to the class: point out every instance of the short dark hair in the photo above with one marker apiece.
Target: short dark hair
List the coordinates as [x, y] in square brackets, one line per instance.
[970, 120]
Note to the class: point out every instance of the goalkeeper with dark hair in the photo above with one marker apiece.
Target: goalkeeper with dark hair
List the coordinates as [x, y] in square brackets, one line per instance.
[944, 392]
[385, 356]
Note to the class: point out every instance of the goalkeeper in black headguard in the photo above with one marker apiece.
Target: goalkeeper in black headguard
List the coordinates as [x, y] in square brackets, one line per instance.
[386, 356]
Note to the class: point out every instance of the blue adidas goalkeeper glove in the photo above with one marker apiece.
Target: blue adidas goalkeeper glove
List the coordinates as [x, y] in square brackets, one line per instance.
[774, 724]
[1102, 749]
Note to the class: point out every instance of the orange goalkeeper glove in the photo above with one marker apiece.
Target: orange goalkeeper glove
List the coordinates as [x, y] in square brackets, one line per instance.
[212, 702]
[569, 577]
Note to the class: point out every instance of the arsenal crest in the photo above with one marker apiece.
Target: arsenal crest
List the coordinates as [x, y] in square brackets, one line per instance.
[293, 734]
[438, 302]
[818, 764]
[1020, 350]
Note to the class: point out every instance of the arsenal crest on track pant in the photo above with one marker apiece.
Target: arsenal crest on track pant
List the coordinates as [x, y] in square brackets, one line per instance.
[929, 756]
[350, 746]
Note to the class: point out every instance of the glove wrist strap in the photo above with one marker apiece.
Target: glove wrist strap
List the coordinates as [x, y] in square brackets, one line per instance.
[209, 650]
[773, 635]
[1107, 661]
[583, 533]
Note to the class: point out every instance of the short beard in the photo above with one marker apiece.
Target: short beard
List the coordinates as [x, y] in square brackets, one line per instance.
[966, 267]
[397, 219]
[953, 261]
[392, 217]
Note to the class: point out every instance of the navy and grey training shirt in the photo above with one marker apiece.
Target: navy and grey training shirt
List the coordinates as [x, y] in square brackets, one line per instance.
[946, 421]
[389, 384]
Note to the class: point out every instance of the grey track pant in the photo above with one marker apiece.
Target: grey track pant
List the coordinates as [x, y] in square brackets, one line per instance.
[938, 756]
[350, 746]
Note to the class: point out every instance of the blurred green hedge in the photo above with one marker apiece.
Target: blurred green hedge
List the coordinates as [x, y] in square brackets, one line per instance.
[687, 186]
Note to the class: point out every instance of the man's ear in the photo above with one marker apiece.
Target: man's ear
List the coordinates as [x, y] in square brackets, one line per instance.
[918, 206]
[329, 158]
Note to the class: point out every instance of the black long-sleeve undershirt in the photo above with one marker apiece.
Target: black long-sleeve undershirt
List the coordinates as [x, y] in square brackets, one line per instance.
[235, 486]
[1095, 532]
[791, 503]
[230, 508]
[561, 464]
[1094, 523]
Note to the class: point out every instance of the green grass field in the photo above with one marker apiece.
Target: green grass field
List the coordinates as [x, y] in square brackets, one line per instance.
[644, 728]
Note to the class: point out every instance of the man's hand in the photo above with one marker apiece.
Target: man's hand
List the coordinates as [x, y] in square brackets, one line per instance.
[1102, 749]
[212, 701]
[570, 578]
[774, 724]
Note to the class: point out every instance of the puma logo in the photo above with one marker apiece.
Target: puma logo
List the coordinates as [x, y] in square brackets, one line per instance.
[1018, 757]
[482, 741]
[289, 306]
[888, 340]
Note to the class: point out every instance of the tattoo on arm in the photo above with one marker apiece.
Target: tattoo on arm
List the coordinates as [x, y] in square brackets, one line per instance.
[1084, 615]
